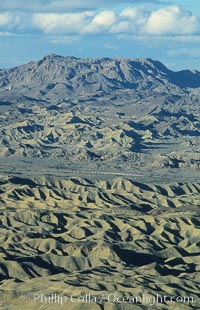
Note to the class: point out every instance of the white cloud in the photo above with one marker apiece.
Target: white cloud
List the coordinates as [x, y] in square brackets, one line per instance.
[100, 23]
[110, 46]
[64, 39]
[60, 23]
[171, 20]
[129, 12]
[5, 19]
[184, 51]
[105, 18]
[187, 38]
[17, 21]
[122, 27]
[3, 34]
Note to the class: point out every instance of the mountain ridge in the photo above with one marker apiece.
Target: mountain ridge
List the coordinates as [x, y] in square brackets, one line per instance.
[59, 77]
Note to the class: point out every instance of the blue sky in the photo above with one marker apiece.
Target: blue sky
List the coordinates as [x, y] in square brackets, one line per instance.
[165, 30]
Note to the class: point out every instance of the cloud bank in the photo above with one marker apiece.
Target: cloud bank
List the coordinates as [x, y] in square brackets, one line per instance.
[52, 23]
[170, 20]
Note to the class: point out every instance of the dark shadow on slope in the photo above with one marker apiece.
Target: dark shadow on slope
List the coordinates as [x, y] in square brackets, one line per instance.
[133, 258]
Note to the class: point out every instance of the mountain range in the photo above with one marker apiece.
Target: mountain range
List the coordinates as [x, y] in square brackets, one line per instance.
[55, 78]
[134, 114]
